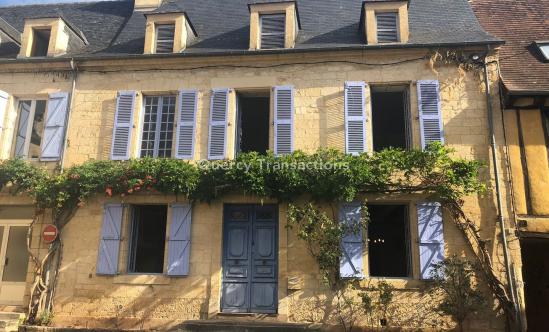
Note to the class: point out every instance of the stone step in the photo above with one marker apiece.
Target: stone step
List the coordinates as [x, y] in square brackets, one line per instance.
[243, 326]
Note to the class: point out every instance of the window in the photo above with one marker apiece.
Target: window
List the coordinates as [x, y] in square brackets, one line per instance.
[165, 38]
[388, 241]
[30, 128]
[544, 49]
[40, 42]
[148, 237]
[158, 126]
[387, 27]
[273, 31]
[253, 123]
[390, 118]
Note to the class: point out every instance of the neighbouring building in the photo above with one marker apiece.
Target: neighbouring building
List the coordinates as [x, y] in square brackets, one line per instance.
[524, 76]
[209, 79]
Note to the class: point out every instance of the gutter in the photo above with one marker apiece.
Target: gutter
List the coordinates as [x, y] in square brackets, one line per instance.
[74, 71]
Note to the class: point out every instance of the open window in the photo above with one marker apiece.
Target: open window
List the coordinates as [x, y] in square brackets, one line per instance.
[390, 117]
[158, 126]
[40, 41]
[253, 116]
[30, 128]
[388, 241]
[148, 238]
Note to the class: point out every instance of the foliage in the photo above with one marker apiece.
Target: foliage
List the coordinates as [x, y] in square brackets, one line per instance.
[453, 279]
[379, 306]
[45, 318]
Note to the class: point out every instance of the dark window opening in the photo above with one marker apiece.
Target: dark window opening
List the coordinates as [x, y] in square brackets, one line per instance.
[253, 124]
[40, 42]
[388, 248]
[390, 118]
[148, 237]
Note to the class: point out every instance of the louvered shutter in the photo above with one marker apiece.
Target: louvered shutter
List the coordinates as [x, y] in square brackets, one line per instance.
[165, 38]
[24, 118]
[350, 264]
[109, 245]
[179, 243]
[217, 143]
[431, 236]
[54, 128]
[273, 31]
[123, 125]
[430, 116]
[387, 30]
[188, 100]
[355, 118]
[3, 106]
[284, 118]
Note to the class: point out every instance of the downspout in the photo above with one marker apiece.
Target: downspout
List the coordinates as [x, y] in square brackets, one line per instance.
[501, 219]
[74, 73]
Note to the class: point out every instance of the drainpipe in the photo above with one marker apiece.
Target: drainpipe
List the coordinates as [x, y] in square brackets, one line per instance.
[74, 71]
[501, 219]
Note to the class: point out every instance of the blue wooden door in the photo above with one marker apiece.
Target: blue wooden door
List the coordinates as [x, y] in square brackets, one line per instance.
[250, 259]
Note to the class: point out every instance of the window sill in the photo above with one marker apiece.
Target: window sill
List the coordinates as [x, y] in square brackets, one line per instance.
[142, 279]
[398, 283]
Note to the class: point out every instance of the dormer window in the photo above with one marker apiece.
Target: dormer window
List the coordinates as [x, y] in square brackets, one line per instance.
[40, 41]
[387, 27]
[273, 30]
[165, 38]
[544, 49]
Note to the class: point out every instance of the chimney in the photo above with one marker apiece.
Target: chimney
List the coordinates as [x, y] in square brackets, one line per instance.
[146, 5]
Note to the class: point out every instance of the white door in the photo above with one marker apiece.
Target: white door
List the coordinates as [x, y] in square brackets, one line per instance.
[14, 261]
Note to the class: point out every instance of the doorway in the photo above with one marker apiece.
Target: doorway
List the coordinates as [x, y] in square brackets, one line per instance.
[14, 260]
[250, 259]
[535, 271]
[253, 122]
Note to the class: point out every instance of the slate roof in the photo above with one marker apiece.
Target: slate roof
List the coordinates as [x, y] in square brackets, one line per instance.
[520, 23]
[112, 28]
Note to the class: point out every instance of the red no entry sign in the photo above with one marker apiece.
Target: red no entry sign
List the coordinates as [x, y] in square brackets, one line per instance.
[49, 233]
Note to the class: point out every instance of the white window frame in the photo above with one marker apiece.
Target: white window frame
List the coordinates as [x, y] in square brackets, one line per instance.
[376, 13]
[261, 33]
[158, 124]
[28, 134]
[156, 39]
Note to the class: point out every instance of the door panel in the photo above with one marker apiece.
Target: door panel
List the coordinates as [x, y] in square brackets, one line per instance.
[250, 259]
[15, 259]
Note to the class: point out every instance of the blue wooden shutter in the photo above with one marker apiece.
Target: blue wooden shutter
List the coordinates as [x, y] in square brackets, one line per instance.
[21, 136]
[350, 264]
[283, 120]
[355, 118]
[54, 128]
[109, 245]
[219, 107]
[430, 115]
[3, 107]
[123, 125]
[431, 236]
[179, 243]
[185, 135]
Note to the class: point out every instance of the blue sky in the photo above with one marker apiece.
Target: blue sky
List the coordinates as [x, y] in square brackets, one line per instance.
[28, 2]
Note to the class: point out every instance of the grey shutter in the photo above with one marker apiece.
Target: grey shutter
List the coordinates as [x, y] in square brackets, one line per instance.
[431, 236]
[430, 116]
[273, 31]
[283, 120]
[355, 118]
[123, 125]
[179, 243]
[54, 128]
[3, 106]
[219, 107]
[20, 139]
[350, 264]
[185, 135]
[165, 38]
[109, 245]
[387, 27]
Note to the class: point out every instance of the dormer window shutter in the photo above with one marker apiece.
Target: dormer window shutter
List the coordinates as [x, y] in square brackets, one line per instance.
[165, 34]
[387, 27]
[273, 30]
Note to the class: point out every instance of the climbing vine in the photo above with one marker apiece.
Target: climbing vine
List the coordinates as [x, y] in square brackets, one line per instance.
[328, 176]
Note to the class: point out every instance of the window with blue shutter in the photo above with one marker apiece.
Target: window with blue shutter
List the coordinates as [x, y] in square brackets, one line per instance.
[109, 244]
[179, 243]
[284, 116]
[123, 125]
[431, 236]
[186, 119]
[350, 264]
[219, 107]
[430, 115]
[3, 107]
[355, 118]
[54, 128]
